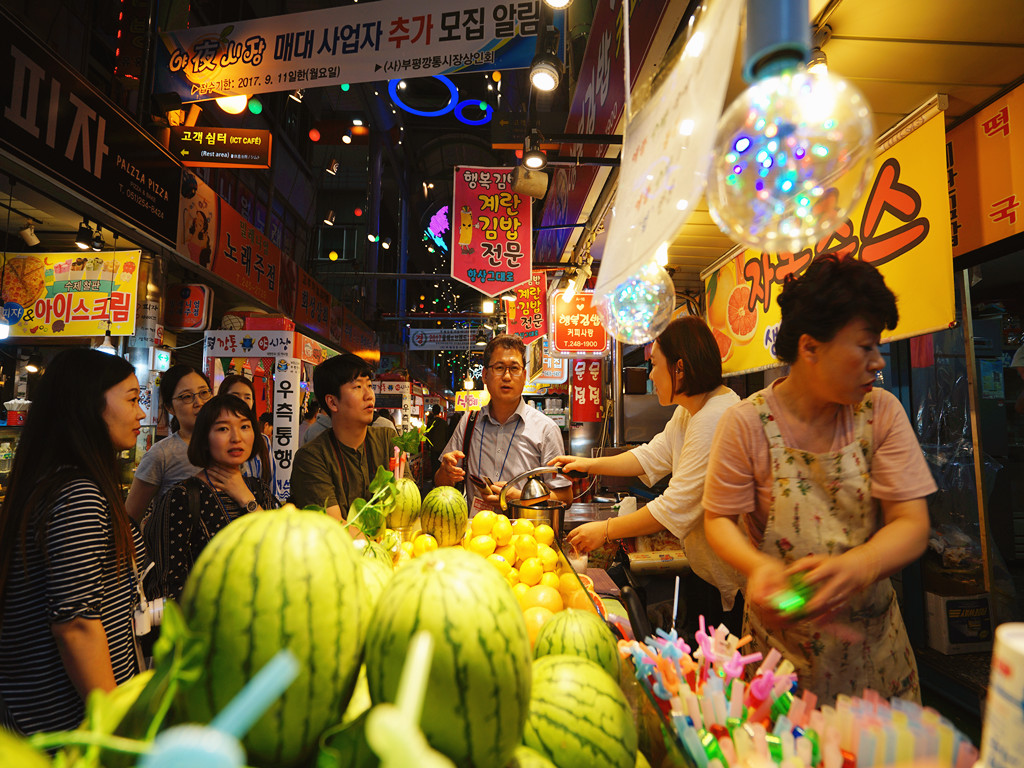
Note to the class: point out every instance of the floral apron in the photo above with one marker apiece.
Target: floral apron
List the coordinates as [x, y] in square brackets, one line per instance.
[821, 504]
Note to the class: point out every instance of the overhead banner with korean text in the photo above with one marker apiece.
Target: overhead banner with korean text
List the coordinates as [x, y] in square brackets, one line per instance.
[901, 226]
[587, 402]
[527, 315]
[984, 159]
[359, 43]
[492, 249]
[441, 338]
[70, 294]
[312, 304]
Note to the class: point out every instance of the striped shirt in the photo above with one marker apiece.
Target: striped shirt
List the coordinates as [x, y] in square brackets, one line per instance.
[77, 578]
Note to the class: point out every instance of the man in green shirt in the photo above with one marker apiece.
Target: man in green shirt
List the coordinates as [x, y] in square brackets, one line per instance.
[336, 466]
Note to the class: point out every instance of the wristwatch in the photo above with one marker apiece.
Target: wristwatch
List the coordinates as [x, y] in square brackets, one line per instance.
[252, 506]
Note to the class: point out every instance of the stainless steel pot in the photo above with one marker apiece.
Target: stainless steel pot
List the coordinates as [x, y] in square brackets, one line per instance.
[535, 502]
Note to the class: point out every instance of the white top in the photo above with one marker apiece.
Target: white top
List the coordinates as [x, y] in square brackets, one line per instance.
[165, 465]
[528, 439]
[683, 448]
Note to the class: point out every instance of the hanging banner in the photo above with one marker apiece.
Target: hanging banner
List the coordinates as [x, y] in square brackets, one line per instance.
[587, 403]
[250, 343]
[984, 158]
[667, 145]
[57, 122]
[337, 323]
[440, 338]
[545, 368]
[901, 226]
[576, 327]
[188, 307]
[527, 315]
[218, 147]
[285, 440]
[312, 304]
[348, 44]
[473, 400]
[67, 294]
[493, 251]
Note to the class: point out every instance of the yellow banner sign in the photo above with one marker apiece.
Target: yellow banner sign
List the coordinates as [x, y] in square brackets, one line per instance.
[70, 294]
[901, 226]
[473, 400]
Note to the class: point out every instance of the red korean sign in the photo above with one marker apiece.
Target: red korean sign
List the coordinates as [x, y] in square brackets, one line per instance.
[337, 323]
[491, 248]
[312, 304]
[187, 307]
[527, 315]
[358, 338]
[587, 403]
[576, 327]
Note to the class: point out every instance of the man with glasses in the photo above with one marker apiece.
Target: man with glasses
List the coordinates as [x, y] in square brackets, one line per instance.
[506, 438]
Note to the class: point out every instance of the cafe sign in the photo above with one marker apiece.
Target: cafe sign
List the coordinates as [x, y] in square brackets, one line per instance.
[221, 147]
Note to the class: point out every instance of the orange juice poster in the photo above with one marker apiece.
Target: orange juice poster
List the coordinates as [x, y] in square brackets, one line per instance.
[70, 294]
[901, 226]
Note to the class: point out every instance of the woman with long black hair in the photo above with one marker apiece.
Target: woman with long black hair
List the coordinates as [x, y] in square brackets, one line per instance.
[68, 552]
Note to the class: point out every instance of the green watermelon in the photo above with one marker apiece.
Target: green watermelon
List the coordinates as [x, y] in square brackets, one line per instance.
[524, 757]
[444, 516]
[478, 692]
[579, 717]
[376, 574]
[273, 580]
[579, 633]
[406, 509]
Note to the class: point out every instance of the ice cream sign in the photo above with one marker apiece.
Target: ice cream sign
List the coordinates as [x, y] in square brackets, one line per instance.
[491, 231]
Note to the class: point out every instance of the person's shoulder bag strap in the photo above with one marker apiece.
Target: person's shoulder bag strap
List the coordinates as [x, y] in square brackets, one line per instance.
[466, 438]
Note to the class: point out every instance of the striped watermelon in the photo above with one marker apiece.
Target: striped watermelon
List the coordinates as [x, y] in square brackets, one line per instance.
[579, 633]
[479, 688]
[272, 580]
[406, 509]
[579, 717]
[444, 516]
[524, 757]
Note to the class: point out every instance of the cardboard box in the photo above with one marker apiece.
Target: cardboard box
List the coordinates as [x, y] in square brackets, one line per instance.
[961, 624]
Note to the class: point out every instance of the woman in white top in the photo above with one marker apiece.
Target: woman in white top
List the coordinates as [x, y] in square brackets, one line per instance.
[686, 370]
[183, 390]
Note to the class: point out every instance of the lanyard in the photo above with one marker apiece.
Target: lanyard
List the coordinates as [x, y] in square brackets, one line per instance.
[480, 458]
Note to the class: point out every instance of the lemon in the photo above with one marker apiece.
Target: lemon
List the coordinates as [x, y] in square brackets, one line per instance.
[483, 522]
[500, 563]
[512, 577]
[407, 547]
[501, 530]
[519, 590]
[483, 545]
[531, 571]
[508, 552]
[526, 547]
[568, 583]
[522, 526]
[549, 579]
[548, 557]
[424, 543]
[544, 534]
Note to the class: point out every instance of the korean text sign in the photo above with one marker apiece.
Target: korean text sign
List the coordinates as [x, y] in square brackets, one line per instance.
[491, 247]
[586, 390]
[900, 226]
[217, 147]
[70, 294]
[545, 368]
[312, 304]
[527, 315]
[285, 441]
[576, 327]
[984, 157]
[348, 44]
[187, 307]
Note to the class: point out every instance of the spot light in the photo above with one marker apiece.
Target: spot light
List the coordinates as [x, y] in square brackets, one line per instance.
[84, 237]
[297, 95]
[233, 105]
[329, 219]
[534, 157]
[346, 137]
[332, 167]
[545, 72]
[333, 255]
[97, 239]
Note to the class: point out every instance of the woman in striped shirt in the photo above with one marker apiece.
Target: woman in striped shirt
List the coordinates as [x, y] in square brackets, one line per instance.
[67, 548]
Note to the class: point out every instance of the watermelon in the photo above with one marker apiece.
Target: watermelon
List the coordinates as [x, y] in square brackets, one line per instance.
[478, 692]
[273, 580]
[579, 633]
[524, 757]
[444, 516]
[406, 509]
[579, 717]
[376, 574]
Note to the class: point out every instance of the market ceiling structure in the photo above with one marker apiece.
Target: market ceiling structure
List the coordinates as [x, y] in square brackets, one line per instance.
[898, 54]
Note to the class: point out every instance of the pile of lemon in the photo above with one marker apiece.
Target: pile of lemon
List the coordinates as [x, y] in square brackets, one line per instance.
[543, 582]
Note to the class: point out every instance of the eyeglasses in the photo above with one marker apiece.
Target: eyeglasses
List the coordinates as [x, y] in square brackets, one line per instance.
[500, 369]
[189, 397]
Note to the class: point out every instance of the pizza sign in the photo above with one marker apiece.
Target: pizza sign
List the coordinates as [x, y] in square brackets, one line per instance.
[70, 294]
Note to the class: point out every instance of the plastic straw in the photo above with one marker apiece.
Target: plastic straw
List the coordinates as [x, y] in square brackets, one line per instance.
[675, 604]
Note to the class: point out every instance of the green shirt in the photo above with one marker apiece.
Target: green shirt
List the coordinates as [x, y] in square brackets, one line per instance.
[318, 477]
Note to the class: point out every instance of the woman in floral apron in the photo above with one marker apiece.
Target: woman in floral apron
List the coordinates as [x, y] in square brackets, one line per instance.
[828, 480]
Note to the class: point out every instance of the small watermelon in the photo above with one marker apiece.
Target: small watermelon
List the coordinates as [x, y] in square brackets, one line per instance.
[524, 757]
[478, 692]
[273, 580]
[444, 516]
[579, 633]
[579, 717]
[376, 575]
[406, 509]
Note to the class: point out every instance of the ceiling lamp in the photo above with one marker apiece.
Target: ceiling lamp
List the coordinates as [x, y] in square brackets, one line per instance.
[481, 338]
[545, 72]
[818, 63]
[534, 157]
[487, 307]
[558, 5]
[346, 137]
[297, 95]
[108, 344]
[386, 243]
[233, 105]
[97, 239]
[508, 296]
[28, 234]
[84, 237]
[467, 383]
[34, 363]
[329, 219]
[332, 167]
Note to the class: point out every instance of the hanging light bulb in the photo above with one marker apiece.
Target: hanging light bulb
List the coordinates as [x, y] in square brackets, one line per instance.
[233, 105]
[639, 308]
[108, 344]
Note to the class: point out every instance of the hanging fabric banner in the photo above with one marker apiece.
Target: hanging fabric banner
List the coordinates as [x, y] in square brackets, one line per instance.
[527, 315]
